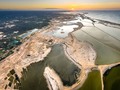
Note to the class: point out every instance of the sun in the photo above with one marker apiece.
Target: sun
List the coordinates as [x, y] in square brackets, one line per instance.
[72, 9]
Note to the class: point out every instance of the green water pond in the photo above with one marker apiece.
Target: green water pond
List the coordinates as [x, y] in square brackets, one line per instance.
[112, 79]
[93, 81]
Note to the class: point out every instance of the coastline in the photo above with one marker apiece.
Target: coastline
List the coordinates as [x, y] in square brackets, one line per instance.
[38, 46]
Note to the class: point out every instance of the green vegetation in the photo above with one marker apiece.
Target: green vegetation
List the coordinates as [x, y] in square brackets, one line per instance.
[12, 71]
[93, 82]
[112, 79]
[13, 79]
[7, 45]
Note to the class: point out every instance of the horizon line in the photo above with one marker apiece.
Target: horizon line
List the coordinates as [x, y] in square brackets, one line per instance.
[53, 9]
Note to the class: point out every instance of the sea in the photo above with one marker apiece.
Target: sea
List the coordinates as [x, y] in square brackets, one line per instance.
[108, 15]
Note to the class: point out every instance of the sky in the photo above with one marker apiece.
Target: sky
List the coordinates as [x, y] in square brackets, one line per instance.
[59, 4]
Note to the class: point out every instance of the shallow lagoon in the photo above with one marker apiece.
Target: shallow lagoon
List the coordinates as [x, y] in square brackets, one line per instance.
[106, 46]
[33, 78]
[115, 32]
[63, 31]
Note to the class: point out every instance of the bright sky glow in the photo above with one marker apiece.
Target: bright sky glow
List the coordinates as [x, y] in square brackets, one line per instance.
[60, 4]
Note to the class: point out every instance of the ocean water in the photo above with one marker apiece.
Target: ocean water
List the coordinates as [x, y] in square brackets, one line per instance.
[108, 15]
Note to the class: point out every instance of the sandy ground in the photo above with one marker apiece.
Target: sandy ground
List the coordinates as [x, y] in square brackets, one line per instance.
[53, 80]
[32, 50]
